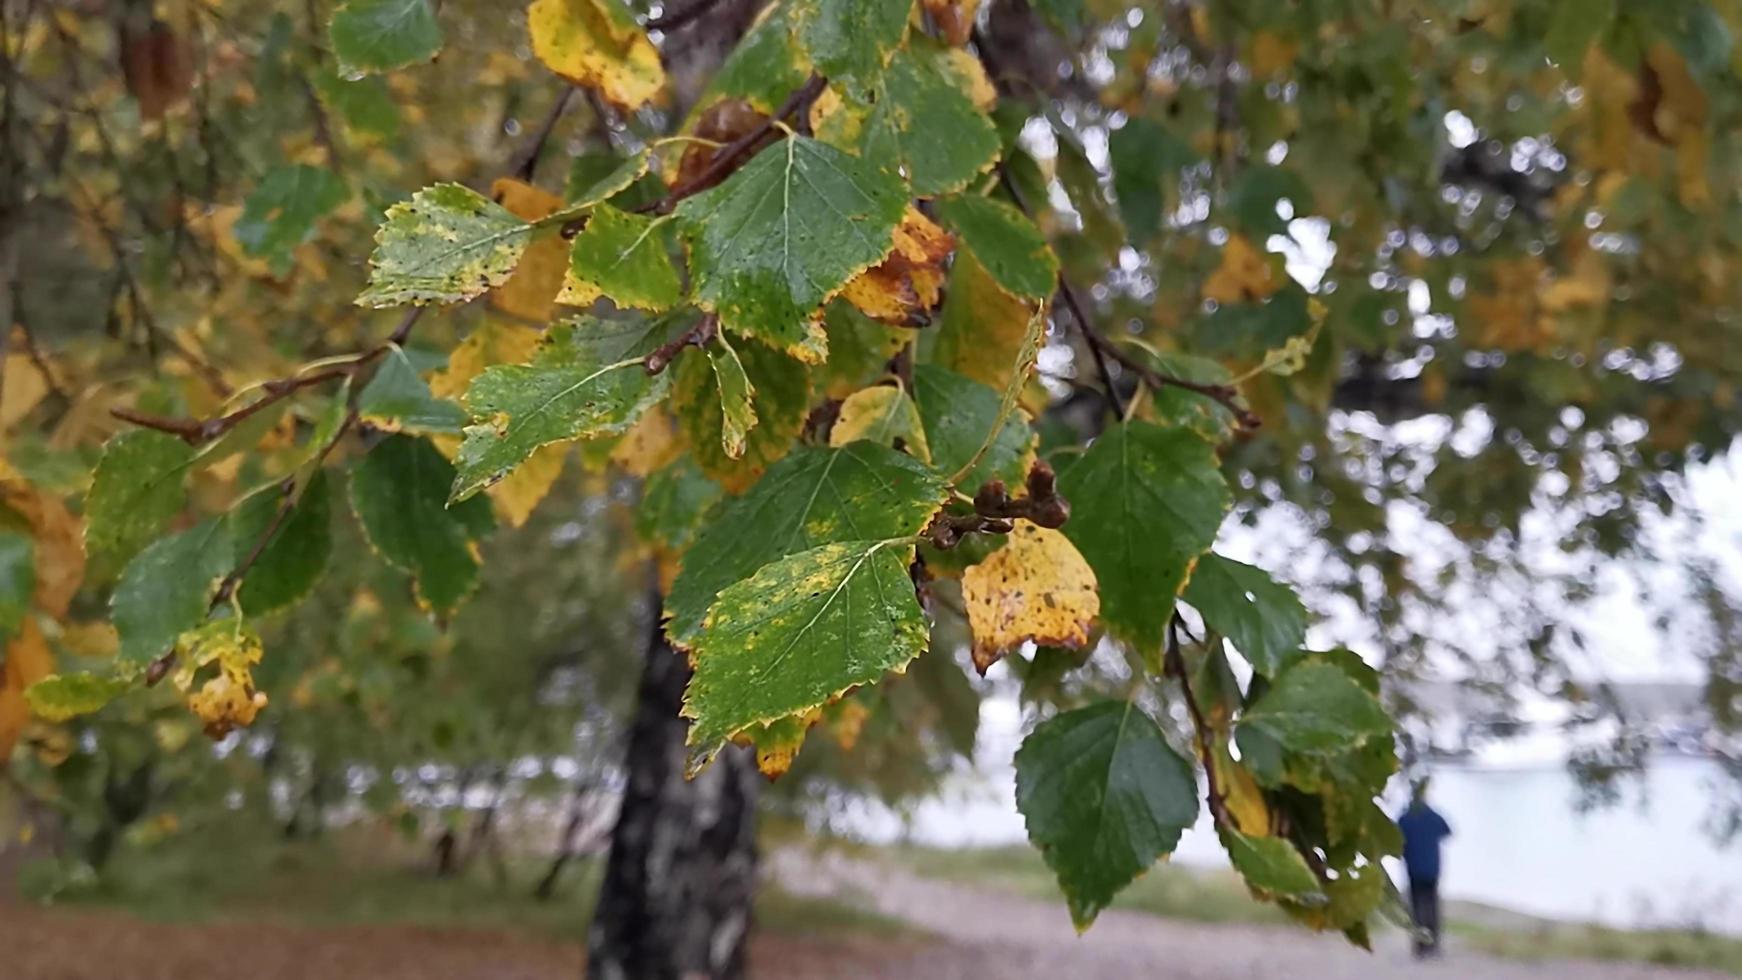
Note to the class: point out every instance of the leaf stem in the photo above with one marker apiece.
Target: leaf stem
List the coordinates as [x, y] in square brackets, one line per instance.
[1175, 664]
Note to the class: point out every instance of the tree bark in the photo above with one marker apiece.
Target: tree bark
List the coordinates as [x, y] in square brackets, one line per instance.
[675, 901]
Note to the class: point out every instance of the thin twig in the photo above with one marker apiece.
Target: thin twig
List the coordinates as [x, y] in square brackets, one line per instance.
[700, 335]
[1176, 665]
[727, 159]
[527, 163]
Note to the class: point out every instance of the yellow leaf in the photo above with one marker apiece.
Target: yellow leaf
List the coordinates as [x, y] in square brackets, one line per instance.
[648, 445]
[59, 543]
[1241, 795]
[530, 293]
[846, 720]
[495, 342]
[1037, 587]
[598, 44]
[226, 698]
[777, 742]
[982, 327]
[971, 74]
[515, 496]
[1245, 275]
[28, 658]
[911, 279]
[882, 414]
[98, 640]
[22, 386]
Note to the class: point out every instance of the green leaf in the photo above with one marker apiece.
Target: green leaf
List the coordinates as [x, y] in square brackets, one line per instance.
[674, 500]
[167, 589]
[59, 697]
[282, 211]
[779, 399]
[1174, 406]
[624, 257]
[598, 177]
[448, 243]
[737, 414]
[1104, 797]
[859, 349]
[1272, 866]
[785, 232]
[1264, 618]
[957, 413]
[383, 35]
[1008, 244]
[1147, 160]
[1145, 503]
[138, 486]
[920, 122]
[586, 380]
[764, 68]
[399, 400]
[17, 580]
[294, 558]
[816, 496]
[850, 40]
[364, 104]
[399, 494]
[800, 631]
[1315, 707]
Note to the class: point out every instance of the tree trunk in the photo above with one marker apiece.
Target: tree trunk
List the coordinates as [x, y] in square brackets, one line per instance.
[675, 902]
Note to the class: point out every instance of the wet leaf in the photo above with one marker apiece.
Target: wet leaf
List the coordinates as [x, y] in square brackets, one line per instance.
[783, 234]
[982, 327]
[624, 257]
[779, 400]
[737, 412]
[383, 35]
[813, 497]
[917, 118]
[1007, 244]
[850, 40]
[910, 280]
[598, 44]
[586, 380]
[800, 631]
[448, 243]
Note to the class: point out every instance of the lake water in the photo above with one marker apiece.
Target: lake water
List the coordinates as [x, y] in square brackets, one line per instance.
[1518, 840]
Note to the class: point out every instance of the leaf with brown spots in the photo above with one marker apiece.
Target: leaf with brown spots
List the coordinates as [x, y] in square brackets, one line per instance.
[1037, 587]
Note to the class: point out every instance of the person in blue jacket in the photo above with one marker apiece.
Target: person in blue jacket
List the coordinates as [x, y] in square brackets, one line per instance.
[1423, 830]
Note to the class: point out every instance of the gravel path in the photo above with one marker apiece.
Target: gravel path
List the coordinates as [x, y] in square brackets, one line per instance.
[992, 934]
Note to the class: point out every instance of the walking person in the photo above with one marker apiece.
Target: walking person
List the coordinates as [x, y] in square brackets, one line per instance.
[1423, 830]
